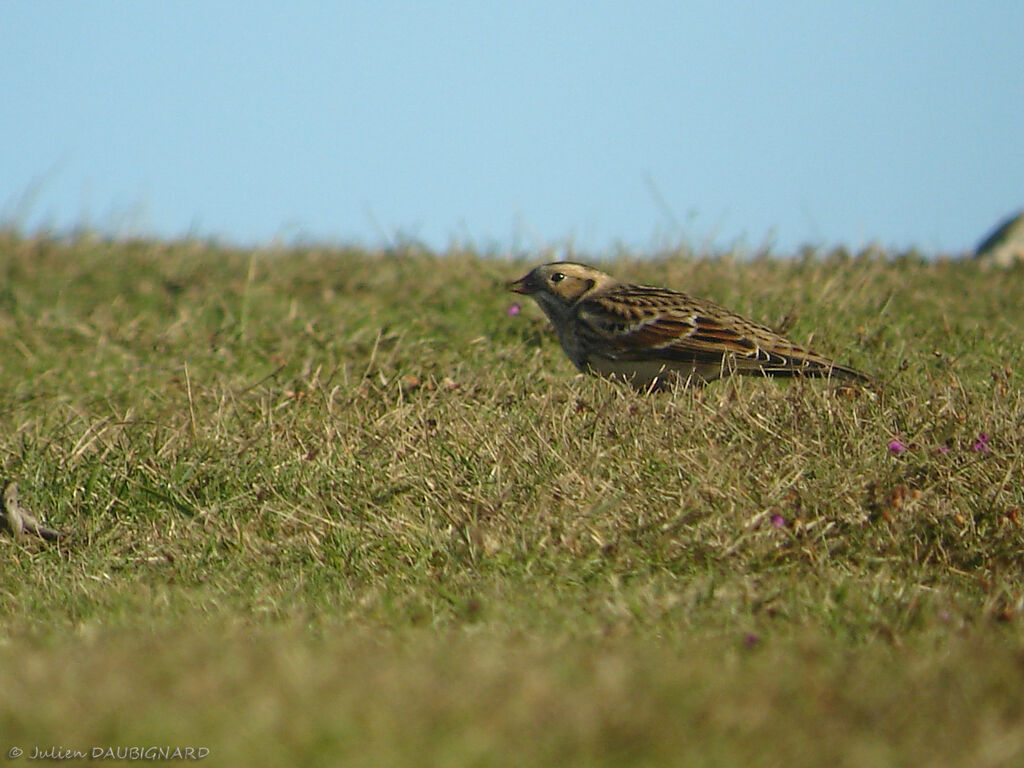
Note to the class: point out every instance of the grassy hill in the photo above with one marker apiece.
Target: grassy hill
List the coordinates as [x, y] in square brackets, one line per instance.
[326, 506]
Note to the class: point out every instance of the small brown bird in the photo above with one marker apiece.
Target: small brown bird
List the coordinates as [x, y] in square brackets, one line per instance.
[653, 336]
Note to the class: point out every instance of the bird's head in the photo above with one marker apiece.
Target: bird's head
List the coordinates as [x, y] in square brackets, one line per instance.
[562, 282]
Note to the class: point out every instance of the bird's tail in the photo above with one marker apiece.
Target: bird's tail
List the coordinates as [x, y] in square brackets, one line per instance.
[817, 367]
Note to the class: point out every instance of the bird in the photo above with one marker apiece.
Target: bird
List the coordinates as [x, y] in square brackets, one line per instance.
[653, 337]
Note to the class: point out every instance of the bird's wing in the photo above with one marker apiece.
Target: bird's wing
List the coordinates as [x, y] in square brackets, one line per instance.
[642, 323]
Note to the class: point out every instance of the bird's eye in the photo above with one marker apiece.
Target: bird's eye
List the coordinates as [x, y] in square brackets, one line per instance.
[557, 277]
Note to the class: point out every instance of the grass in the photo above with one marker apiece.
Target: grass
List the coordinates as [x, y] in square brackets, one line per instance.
[328, 506]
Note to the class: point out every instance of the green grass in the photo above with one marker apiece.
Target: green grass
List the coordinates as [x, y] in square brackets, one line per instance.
[328, 506]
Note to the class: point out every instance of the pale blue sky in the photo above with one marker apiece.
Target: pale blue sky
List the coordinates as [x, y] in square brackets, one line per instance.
[516, 125]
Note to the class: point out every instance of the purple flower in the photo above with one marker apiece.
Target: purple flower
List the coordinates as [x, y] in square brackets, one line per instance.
[750, 640]
[778, 521]
[942, 449]
[981, 444]
[895, 446]
[514, 309]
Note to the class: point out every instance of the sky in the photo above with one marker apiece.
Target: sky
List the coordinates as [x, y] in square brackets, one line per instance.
[516, 126]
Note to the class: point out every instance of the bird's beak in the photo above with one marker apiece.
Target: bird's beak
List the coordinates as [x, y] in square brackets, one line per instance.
[523, 285]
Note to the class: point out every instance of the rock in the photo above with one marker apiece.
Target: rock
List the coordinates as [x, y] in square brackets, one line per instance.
[1005, 245]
